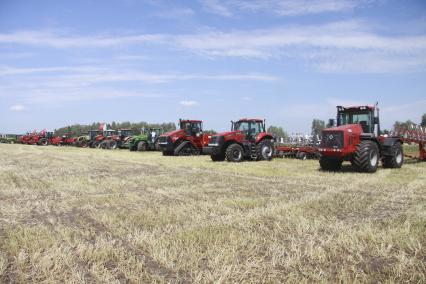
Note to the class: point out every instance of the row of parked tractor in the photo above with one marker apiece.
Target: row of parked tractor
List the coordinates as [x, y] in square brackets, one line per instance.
[354, 136]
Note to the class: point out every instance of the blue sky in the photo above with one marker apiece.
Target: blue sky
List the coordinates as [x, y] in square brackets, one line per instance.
[64, 62]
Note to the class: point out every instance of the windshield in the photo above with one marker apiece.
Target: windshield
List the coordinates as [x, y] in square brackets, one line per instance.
[363, 118]
[249, 127]
[191, 127]
[126, 132]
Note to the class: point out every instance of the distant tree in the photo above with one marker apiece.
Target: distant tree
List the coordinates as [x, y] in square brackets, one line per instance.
[423, 123]
[406, 124]
[317, 126]
[277, 131]
[211, 131]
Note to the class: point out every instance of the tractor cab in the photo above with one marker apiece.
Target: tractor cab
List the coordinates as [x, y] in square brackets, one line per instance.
[366, 116]
[152, 133]
[109, 133]
[125, 133]
[48, 134]
[192, 127]
[92, 134]
[250, 127]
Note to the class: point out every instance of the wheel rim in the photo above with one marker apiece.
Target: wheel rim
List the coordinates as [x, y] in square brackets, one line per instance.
[398, 157]
[266, 151]
[236, 154]
[373, 158]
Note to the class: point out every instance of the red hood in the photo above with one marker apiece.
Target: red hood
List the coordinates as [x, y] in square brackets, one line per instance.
[346, 127]
[226, 133]
[174, 133]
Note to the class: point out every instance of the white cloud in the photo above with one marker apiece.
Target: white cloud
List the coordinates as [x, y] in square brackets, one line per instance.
[18, 108]
[177, 13]
[216, 7]
[293, 8]
[189, 103]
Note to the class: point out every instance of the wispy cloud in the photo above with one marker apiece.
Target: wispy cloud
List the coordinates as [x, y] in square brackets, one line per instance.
[216, 7]
[176, 13]
[18, 108]
[189, 103]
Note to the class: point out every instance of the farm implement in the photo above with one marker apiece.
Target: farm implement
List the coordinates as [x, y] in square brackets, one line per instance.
[63, 140]
[357, 139]
[146, 141]
[42, 138]
[301, 152]
[188, 140]
[413, 135]
[247, 139]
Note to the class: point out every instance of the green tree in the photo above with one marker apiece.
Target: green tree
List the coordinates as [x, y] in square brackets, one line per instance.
[406, 124]
[317, 126]
[277, 131]
[423, 123]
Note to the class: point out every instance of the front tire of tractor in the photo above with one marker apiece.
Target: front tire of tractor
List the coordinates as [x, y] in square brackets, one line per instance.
[330, 164]
[112, 145]
[42, 142]
[218, 158]
[396, 160]
[265, 150]
[366, 157]
[142, 146]
[234, 153]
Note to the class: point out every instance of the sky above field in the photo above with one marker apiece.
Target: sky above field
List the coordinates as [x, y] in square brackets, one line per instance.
[65, 62]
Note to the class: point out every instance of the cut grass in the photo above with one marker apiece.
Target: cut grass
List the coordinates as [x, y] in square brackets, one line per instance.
[87, 215]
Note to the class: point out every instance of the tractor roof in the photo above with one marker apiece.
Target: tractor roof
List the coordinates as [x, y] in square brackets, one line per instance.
[250, 120]
[355, 108]
[190, 120]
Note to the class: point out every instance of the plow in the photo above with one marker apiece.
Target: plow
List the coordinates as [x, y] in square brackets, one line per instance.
[413, 135]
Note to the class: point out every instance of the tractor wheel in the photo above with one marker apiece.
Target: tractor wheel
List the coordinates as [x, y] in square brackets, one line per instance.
[330, 164]
[96, 144]
[234, 153]
[142, 146]
[112, 145]
[265, 150]
[366, 158]
[396, 160]
[301, 155]
[42, 142]
[103, 145]
[218, 158]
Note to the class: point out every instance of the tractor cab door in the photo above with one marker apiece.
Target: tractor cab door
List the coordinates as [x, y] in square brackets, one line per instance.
[364, 118]
[255, 129]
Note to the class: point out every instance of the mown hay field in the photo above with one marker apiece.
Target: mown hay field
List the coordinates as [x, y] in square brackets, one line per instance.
[96, 216]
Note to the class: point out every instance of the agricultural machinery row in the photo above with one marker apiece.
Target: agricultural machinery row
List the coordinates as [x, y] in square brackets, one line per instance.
[353, 136]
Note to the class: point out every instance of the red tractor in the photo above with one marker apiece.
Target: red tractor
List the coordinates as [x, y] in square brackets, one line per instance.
[188, 140]
[24, 139]
[357, 139]
[247, 139]
[116, 139]
[42, 138]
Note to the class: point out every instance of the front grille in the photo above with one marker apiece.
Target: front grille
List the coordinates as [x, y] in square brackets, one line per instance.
[162, 139]
[332, 139]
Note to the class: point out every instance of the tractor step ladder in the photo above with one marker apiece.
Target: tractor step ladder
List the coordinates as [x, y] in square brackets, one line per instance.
[413, 134]
[253, 152]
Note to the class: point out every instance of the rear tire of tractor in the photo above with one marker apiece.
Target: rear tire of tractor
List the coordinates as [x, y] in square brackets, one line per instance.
[234, 153]
[366, 158]
[396, 160]
[218, 158]
[142, 146]
[330, 164]
[112, 145]
[265, 150]
[42, 142]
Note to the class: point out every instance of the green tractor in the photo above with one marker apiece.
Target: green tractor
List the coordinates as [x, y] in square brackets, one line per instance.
[8, 139]
[146, 141]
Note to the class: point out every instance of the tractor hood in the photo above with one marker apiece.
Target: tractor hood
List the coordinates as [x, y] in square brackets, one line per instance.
[228, 133]
[351, 128]
[178, 132]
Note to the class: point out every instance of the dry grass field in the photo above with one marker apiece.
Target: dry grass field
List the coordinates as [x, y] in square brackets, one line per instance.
[95, 216]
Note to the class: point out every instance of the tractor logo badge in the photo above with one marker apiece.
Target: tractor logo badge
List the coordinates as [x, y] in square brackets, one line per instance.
[330, 137]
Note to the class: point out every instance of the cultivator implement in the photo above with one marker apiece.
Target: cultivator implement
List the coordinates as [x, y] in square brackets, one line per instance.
[413, 134]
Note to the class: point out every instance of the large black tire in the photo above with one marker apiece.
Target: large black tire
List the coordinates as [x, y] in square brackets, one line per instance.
[96, 144]
[396, 160]
[218, 158]
[366, 157]
[42, 142]
[142, 146]
[330, 164]
[234, 153]
[265, 150]
[104, 145]
[112, 145]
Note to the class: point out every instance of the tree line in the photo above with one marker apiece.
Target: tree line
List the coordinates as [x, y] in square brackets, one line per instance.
[81, 129]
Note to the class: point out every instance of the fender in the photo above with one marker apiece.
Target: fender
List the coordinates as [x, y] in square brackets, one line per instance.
[263, 135]
[390, 141]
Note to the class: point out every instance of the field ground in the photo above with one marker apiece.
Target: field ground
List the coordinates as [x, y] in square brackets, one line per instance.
[88, 215]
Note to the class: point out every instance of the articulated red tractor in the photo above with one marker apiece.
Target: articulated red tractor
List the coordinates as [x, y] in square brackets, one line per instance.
[357, 139]
[188, 140]
[247, 139]
[42, 138]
